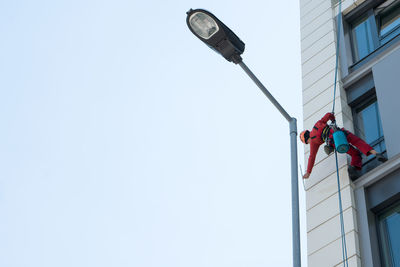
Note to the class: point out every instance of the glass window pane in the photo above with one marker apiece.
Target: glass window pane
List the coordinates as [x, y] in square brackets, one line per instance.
[368, 126]
[390, 20]
[368, 123]
[363, 42]
[393, 229]
[389, 233]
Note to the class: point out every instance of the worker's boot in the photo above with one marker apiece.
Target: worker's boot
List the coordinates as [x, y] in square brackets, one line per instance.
[380, 157]
[353, 172]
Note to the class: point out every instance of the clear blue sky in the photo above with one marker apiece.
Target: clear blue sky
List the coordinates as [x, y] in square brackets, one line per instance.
[125, 141]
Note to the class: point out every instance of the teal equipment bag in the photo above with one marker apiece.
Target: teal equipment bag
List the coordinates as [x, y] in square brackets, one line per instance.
[340, 140]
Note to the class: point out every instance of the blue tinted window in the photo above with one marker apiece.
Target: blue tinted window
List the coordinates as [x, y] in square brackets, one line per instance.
[390, 24]
[369, 126]
[363, 42]
[369, 122]
[389, 233]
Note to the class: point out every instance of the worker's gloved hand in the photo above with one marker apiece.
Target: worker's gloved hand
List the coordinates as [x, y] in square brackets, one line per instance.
[306, 175]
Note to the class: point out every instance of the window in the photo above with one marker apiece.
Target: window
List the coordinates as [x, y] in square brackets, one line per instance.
[378, 216]
[389, 23]
[368, 124]
[366, 118]
[389, 236]
[376, 25]
[363, 43]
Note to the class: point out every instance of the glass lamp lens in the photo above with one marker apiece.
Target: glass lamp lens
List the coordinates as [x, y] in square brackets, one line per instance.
[203, 25]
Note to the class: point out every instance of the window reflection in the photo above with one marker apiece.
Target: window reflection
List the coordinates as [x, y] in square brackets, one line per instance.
[363, 42]
[368, 124]
[389, 235]
[374, 29]
[389, 23]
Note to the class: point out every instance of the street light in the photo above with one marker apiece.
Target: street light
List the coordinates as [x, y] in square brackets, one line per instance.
[209, 29]
[215, 34]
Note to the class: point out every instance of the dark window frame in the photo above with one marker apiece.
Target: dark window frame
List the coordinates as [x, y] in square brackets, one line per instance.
[358, 105]
[361, 95]
[363, 103]
[370, 19]
[382, 234]
[395, 31]
[373, 193]
[367, 9]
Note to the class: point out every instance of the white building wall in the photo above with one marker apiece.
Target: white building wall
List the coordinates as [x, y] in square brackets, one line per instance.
[318, 49]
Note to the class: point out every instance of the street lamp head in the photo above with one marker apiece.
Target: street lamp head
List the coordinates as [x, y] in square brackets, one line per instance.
[203, 25]
[215, 34]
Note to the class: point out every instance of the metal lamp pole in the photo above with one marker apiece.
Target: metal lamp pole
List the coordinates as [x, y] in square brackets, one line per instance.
[216, 35]
[294, 162]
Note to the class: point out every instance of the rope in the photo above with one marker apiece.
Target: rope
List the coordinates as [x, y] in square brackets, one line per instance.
[343, 232]
[337, 52]
[344, 247]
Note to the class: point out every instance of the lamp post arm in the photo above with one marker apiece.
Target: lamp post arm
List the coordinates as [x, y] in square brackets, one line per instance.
[265, 91]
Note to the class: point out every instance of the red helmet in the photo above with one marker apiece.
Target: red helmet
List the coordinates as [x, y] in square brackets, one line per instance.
[304, 135]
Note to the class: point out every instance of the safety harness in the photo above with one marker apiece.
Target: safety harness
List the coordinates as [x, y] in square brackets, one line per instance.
[328, 148]
[325, 134]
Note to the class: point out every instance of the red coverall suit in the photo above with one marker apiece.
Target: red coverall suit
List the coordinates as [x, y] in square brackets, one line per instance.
[316, 141]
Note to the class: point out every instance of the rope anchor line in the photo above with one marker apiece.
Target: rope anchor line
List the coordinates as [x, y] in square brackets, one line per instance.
[343, 232]
[342, 229]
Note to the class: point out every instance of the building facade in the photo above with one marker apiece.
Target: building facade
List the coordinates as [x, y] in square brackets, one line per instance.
[367, 103]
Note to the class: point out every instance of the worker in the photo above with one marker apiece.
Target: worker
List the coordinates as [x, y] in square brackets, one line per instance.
[321, 133]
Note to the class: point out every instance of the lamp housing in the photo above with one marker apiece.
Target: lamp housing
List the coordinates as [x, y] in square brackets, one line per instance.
[209, 29]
